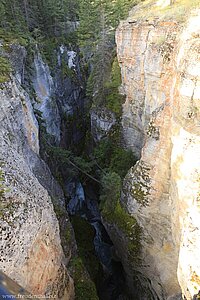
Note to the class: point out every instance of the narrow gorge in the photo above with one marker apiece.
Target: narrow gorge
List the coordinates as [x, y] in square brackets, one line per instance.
[100, 150]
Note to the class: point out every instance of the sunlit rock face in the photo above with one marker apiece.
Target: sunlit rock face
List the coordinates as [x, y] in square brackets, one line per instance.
[164, 3]
[161, 76]
[30, 244]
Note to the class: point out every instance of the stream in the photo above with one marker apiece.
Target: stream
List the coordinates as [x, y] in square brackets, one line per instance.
[84, 203]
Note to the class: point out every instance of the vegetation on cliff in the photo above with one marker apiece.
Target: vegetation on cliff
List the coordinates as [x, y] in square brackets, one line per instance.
[96, 36]
[2, 187]
[46, 25]
[84, 287]
[179, 10]
[5, 69]
[84, 234]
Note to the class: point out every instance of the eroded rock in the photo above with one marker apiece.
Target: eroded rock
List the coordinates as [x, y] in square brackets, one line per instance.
[31, 251]
[160, 74]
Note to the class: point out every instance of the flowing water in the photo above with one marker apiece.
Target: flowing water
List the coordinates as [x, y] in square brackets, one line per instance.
[83, 203]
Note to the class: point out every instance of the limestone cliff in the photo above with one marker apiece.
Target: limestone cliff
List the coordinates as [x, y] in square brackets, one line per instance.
[31, 250]
[159, 58]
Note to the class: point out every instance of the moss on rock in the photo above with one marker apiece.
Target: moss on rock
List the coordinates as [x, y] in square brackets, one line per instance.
[84, 286]
[137, 183]
[5, 69]
[84, 234]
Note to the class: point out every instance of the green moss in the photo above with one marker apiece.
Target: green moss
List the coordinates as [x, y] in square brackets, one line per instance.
[129, 228]
[119, 217]
[84, 287]
[112, 210]
[58, 210]
[114, 99]
[84, 234]
[114, 214]
[5, 69]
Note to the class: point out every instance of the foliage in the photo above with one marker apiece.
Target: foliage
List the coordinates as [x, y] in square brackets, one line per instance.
[13, 37]
[51, 23]
[46, 22]
[63, 161]
[84, 287]
[98, 20]
[121, 161]
[89, 18]
[63, 156]
[111, 156]
[49, 17]
[111, 189]
[101, 68]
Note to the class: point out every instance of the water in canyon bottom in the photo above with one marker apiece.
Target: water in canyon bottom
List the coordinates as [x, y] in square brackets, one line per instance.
[83, 204]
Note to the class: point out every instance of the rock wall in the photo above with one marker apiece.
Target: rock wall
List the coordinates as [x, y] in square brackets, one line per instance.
[31, 251]
[161, 77]
[45, 101]
[70, 81]
[60, 96]
[102, 121]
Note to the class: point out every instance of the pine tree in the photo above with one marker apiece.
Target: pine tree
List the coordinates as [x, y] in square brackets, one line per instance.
[89, 22]
[98, 21]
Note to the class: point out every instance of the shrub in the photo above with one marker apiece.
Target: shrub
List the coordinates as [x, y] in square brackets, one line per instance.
[113, 157]
[111, 189]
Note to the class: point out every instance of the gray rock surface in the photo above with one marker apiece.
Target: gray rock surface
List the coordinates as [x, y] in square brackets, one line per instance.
[102, 121]
[31, 251]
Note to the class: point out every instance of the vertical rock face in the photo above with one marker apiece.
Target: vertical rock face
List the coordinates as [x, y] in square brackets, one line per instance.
[161, 76]
[31, 251]
[45, 101]
[102, 122]
[60, 96]
[70, 95]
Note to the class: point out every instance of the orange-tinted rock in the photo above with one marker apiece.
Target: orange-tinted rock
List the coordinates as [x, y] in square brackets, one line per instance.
[160, 66]
[30, 244]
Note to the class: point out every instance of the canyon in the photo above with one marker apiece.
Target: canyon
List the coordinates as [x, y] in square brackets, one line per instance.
[159, 58]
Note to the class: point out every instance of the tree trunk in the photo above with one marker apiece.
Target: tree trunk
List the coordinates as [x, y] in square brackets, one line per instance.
[26, 12]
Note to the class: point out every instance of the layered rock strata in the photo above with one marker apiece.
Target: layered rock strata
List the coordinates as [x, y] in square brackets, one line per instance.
[30, 245]
[160, 67]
